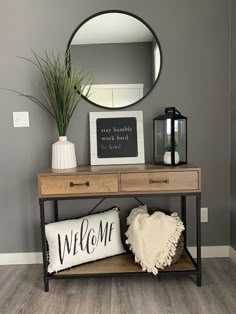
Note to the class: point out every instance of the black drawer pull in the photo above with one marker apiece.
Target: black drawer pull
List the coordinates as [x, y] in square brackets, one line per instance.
[79, 184]
[159, 181]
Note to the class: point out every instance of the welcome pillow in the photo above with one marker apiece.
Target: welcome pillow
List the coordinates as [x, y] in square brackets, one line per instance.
[77, 241]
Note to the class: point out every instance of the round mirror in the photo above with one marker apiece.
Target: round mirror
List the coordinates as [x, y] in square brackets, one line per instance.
[122, 53]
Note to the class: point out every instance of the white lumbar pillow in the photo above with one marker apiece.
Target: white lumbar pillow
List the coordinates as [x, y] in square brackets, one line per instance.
[77, 241]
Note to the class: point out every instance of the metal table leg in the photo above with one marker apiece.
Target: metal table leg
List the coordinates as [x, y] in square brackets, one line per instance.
[55, 203]
[183, 217]
[44, 245]
[198, 226]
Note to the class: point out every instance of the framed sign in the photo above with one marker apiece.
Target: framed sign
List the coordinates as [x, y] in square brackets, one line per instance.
[116, 137]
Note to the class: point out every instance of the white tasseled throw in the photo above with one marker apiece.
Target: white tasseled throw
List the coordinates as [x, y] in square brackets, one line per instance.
[153, 238]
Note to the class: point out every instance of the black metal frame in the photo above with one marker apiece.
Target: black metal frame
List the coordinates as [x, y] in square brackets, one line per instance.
[183, 196]
[134, 16]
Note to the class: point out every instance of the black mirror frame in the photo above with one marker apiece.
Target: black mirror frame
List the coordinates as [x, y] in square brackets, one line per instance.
[68, 58]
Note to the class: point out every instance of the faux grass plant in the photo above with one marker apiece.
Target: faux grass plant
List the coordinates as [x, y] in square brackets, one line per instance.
[63, 87]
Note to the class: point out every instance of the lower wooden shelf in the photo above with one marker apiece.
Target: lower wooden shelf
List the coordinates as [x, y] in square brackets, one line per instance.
[123, 264]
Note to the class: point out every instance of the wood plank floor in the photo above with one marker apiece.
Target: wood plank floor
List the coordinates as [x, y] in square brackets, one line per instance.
[21, 291]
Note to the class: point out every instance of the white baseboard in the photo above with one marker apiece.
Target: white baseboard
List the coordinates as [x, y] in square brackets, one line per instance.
[232, 254]
[36, 257]
[211, 251]
[21, 258]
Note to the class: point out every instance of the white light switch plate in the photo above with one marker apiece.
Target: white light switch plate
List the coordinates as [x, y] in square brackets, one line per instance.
[21, 119]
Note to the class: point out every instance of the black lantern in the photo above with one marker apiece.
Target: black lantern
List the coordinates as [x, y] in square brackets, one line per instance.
[170, 138]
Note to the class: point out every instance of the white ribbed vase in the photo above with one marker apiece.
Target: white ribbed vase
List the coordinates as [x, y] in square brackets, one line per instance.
[63, 154]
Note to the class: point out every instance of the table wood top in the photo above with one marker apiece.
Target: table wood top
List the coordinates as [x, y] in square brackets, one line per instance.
[117, 169]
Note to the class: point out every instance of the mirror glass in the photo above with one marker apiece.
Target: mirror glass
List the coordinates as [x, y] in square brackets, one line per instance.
[123, 55]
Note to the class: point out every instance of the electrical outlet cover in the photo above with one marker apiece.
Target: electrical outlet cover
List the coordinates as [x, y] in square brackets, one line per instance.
[204, 214]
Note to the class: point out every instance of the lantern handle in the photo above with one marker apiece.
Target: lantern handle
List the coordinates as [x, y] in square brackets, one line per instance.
[172, 110]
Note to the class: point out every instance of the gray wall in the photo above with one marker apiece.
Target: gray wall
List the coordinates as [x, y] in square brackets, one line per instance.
[233, 128]
[194, 36]
[127, 63]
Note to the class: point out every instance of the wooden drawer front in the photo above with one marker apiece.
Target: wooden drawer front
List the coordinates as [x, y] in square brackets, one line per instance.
[79, 184]
[160, 181]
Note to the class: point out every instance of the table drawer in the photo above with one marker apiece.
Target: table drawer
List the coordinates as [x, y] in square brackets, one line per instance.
[160, 181]
[79, 184]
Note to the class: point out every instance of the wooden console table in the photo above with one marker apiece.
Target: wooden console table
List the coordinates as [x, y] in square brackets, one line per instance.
[121, 181]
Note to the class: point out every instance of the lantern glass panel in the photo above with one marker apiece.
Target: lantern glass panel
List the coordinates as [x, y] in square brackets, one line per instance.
[180, 139]
[160, 139]
[167, 133]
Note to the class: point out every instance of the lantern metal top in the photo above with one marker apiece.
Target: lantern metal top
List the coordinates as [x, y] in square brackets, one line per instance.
[170, 113]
